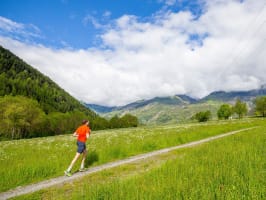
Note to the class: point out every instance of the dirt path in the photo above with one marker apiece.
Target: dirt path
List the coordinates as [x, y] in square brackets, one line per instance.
[62, 179]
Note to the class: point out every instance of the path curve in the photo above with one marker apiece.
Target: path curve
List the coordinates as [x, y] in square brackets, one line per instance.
[63, 179]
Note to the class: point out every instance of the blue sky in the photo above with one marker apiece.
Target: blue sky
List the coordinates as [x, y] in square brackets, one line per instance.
[72, 23]
[114, 53]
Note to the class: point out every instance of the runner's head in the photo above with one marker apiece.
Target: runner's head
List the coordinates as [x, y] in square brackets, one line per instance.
[85, 121]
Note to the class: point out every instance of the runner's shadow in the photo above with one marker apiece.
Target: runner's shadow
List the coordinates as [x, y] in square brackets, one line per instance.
[91, 158]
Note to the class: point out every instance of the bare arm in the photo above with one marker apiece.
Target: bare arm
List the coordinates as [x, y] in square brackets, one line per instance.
[75, 134]
[88, 134]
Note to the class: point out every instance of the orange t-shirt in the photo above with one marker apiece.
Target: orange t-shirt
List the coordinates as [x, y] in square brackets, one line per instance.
[82, 131]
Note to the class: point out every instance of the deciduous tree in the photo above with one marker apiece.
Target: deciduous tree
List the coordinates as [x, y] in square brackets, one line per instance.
[225, 111]
[260, 103]
[240, 108]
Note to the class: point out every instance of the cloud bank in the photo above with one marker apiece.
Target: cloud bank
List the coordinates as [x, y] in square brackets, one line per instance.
[171, 53]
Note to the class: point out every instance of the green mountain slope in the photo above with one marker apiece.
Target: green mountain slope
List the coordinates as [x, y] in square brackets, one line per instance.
[174, 100]
[19, 78]
[247, 96]
[159, 113]
[180, 108]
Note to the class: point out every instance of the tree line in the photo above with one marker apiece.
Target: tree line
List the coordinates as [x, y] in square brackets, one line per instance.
[23, 117]
[240, 108]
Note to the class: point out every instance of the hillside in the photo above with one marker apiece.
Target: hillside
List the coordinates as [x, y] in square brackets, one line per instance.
[99, 108]
[180, 108]
[157, 113]
[174, 100]
[19, 78]
[247, 96]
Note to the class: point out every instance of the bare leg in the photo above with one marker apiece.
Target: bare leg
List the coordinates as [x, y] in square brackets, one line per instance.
[83, 159]
[73, 161]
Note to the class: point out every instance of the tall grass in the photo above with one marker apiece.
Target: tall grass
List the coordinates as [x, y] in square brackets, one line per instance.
[228, 168]
[233, 168]
[27, 161]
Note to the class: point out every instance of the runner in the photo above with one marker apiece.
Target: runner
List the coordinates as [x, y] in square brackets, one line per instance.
[82, 133]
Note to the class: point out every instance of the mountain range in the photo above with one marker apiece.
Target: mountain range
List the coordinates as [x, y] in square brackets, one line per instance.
[223, 96]
[178, 108]
[175, 100]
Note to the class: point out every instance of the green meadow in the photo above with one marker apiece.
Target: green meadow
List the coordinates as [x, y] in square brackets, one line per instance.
[229, 168]
[28, 161]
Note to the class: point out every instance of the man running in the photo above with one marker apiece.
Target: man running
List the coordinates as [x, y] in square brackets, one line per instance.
[82, 133]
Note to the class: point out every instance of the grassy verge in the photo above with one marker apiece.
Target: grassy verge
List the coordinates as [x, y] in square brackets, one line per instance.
[29, 161]
[228, 168]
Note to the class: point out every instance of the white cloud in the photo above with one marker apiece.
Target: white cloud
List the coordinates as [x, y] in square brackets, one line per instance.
[98, 23]
[18, 30]
[91, 19]
[107, 14]
[9, 25]
[170, 2]
[167, 2]
[174, 53]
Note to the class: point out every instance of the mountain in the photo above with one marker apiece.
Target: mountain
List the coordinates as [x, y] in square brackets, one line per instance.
[99, 109]
[157, 113]
[174, 100]
[232, 96]
[187, 99]
[19, 78]
[180, 108]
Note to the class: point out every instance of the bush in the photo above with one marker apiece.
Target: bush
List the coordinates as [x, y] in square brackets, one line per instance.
[202, 116]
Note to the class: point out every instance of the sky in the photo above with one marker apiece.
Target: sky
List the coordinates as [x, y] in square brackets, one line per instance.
[114, 52]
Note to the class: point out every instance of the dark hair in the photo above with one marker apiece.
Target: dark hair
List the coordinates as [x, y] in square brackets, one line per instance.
[84, 121]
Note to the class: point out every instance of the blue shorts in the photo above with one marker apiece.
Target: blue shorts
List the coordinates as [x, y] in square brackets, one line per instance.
[81, 146]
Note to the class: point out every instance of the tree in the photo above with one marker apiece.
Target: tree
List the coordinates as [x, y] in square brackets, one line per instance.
[203, 116]
[260, 103]
[19, 116]
[99, 123]
[115, 122]
[224, 112]
[58, 123]
[240, 108]
[129, 120]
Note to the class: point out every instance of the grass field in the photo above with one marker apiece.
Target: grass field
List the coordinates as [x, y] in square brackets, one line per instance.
[28, 161]
[228, 168]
